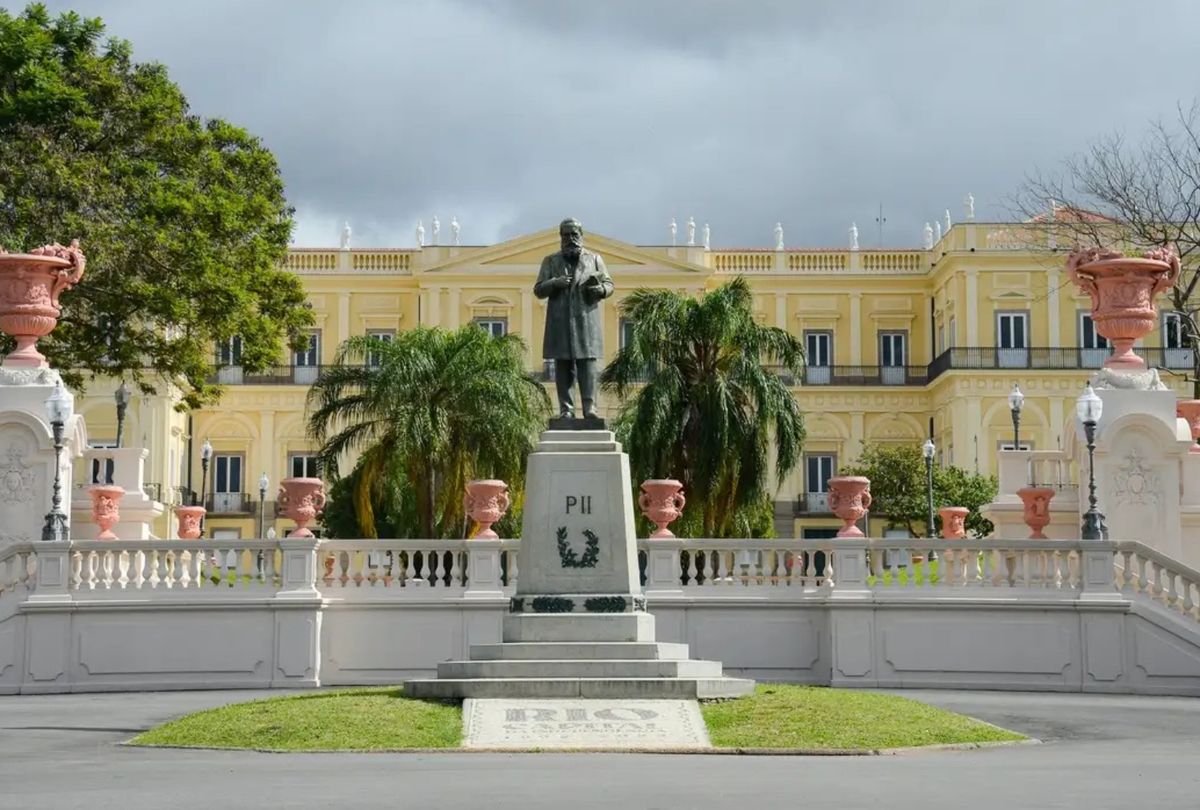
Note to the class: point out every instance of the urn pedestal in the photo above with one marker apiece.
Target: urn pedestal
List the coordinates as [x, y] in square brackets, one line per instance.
[301, 500]
[190, 519]
[849, 498]
[662, 502]
[106, 508]
[1037, 509]
[30, 284]
[1122, 290]
[486, 501]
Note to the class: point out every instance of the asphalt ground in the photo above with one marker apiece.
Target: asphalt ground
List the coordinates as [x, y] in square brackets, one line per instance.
[1097, 751]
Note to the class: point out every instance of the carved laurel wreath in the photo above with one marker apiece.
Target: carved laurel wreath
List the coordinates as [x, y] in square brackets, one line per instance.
[567, 554]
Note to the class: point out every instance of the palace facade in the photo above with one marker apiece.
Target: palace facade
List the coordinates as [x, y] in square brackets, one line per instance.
[901, 345]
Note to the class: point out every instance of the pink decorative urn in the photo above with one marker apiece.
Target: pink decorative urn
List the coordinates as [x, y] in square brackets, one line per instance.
[661, 502]
[849, 498]
[190, 518]
[301, 500]
[1189, 409]
[486, 501]
[30, 284]
[954, 522]
[1037, 509]
[1122, 290]
[106, 508]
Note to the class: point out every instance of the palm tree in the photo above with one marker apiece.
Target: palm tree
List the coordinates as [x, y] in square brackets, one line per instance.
[431, 409]
[710, 408]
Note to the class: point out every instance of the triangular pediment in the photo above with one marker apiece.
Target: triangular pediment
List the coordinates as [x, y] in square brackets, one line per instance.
[529, 250]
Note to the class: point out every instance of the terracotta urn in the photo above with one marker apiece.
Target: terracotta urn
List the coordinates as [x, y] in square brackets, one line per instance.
[1122, 290]
[662, 501]
[1189, 409]
[301, 500]
[849, 499]
[30, 284]
[190, 518]
[1037, 509]
[106, 508]
[486, 501]
[954, 522]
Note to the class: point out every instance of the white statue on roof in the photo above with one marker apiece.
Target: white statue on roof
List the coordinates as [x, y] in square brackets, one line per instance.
[454, 228]
[346, 236]
[420, 233]
[691, 231]
[779, 236]
[854, 236]
[437, 227]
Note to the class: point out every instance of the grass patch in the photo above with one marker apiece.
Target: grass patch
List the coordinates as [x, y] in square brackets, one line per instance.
[786, 716]
[350, 720]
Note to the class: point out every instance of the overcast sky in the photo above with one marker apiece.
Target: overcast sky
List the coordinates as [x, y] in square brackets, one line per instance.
[511, 114]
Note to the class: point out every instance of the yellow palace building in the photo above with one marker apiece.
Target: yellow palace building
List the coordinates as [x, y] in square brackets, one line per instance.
[901, 344]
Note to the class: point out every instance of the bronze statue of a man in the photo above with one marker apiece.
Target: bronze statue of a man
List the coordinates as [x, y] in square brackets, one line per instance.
[576, 281]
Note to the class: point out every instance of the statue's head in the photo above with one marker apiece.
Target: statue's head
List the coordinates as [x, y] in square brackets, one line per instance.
[571, 234]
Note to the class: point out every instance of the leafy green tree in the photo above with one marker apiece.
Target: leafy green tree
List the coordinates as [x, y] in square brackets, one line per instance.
[434, 410]
[183, 220]
[899, 488]
[711, 408]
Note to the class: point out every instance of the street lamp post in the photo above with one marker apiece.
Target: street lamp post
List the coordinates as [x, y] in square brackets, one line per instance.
[122, 397]
[59, 408]
[1015, 400]
[206, 451]
[263, 483]
[927, 450]
[1088, 408]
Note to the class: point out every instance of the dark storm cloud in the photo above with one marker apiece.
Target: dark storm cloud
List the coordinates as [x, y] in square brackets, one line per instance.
[511, 114]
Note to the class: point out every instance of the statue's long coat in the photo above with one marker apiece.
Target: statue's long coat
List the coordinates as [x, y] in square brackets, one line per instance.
[574, 330]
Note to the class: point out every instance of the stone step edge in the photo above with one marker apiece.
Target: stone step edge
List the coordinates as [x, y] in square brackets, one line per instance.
[662, 650]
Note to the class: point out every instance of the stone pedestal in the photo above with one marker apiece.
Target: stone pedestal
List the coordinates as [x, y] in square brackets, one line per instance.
[577, 625]
[27, 453]
[139, 511]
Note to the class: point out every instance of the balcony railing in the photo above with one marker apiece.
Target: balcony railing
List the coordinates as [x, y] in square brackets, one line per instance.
[813, 503]
[982, 358]
[230, 503]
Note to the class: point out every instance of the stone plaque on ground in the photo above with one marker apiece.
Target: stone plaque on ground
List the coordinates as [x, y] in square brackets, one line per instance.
[560, 724]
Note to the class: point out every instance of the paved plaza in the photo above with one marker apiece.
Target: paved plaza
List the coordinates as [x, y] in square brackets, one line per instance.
[61, 751]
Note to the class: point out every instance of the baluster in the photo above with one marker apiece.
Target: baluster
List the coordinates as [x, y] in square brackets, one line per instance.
[1189, 606]
[1156, 587]
[810, 568]
[692, 570]
[92, 565]
[1172, 594]
[457, 564]
[410, 573]
[1143, 584]
[971, 573]
[268, 566]
[357, 561]
[779, 568]
[158, 571]
[435, 573]
[106, 566]
[892, 560]
[1056, 559]
[987, 568]
[76, 571]
[827, 572]
[722, 567]
[123, 563]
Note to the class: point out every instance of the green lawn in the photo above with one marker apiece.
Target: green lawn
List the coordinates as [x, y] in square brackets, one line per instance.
[351, 720]
[786, 716]
[776, 716]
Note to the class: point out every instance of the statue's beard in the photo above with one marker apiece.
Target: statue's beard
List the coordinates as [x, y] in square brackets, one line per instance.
[572, 251]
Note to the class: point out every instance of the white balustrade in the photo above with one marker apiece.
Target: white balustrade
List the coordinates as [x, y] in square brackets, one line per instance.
[17, 568]
[241, 566]
[1143, 572]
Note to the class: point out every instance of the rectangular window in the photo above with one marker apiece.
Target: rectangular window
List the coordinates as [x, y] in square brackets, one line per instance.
[227, 483]
[1176, 341]
[818, 469]
[818, 357]
[303, 465]
[496, 327]
[383, 336]
[1093, 347]
[306, 363]
[229, 352]
[893, 354]
[626, 332]
[1012, 339]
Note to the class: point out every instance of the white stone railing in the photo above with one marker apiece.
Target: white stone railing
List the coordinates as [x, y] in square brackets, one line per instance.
[787, 568]
[218, 566]
[324, 261]
[1142, 571]
[18, 568]
[818, 262]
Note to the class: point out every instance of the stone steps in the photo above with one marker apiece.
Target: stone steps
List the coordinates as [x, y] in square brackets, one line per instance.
[628, 688]
[572, 650]
[611, 668]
